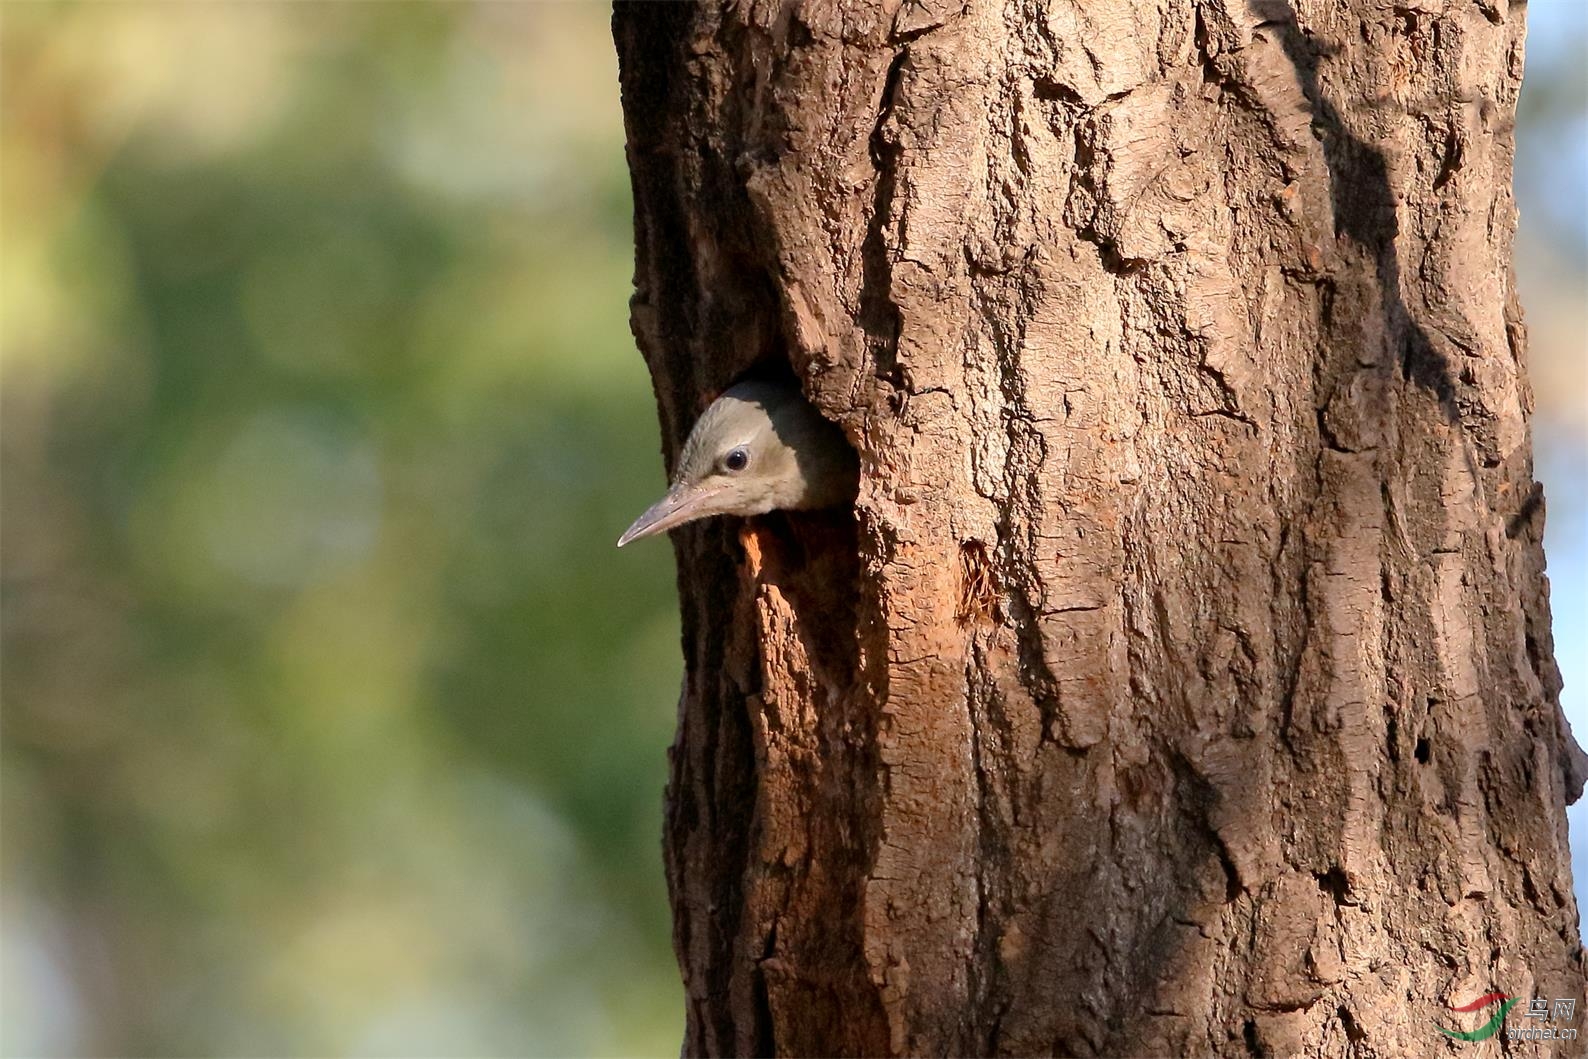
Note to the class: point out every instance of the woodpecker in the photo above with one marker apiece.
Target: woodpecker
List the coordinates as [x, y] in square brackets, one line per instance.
[759, 447]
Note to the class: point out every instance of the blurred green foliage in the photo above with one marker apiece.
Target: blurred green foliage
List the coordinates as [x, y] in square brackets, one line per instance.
[332, 722]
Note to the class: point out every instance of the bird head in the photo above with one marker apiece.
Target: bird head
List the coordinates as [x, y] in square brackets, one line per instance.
[759, 447]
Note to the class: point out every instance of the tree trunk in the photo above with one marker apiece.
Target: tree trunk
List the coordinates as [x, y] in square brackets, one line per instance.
[1182, 681]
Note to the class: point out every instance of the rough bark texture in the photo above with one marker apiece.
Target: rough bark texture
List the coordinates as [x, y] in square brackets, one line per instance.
[1182, 681]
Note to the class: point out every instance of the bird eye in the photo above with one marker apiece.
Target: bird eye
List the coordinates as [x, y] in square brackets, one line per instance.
[736, 460]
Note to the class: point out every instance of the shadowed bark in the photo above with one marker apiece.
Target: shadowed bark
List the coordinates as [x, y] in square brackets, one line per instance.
[1182, 680]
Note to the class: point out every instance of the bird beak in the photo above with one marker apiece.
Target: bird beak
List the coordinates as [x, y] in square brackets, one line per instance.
[681, 504]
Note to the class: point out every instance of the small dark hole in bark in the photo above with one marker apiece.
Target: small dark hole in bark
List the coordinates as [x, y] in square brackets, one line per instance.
[1249, 1035]
[1421, 753]
[764, 1026]
[1334, 883]
[1232, 877]
[1356, 1033]
[769, 367]
[1049, 89]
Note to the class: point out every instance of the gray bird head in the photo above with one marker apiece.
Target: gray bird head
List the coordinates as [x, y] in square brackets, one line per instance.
[760, 447]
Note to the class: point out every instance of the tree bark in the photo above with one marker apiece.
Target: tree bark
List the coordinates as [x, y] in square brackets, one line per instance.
[1181, 682]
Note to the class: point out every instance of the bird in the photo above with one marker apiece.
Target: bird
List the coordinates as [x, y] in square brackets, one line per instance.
[759, 447]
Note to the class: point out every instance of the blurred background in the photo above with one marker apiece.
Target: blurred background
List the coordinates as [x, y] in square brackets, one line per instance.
[332, 722]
